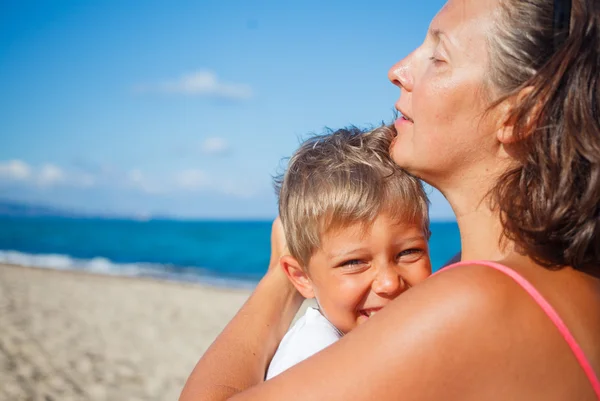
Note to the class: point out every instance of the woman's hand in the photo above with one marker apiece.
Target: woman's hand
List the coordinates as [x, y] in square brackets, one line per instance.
[278, 244]
[239, 357]
[278, 249]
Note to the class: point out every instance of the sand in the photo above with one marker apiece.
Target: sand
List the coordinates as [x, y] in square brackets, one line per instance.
[75, 336]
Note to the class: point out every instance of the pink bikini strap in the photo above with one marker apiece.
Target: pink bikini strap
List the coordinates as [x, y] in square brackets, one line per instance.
[549, 310]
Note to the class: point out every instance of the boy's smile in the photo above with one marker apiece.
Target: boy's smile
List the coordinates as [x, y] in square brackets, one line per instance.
[360, 268]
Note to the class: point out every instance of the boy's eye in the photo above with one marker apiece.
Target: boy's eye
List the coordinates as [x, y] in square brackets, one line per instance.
[410, 255]
[353, 262]
[354, 265]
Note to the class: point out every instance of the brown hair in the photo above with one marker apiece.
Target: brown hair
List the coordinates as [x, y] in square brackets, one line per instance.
[550, 203]
[341, 178]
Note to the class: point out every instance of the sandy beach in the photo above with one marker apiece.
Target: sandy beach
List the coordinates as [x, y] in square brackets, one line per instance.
[74, 336]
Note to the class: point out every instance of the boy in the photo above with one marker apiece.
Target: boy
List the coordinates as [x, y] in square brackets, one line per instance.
[356, 227]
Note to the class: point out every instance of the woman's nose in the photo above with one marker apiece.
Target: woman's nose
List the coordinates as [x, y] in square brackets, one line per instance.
[400, 74]
[388, 283]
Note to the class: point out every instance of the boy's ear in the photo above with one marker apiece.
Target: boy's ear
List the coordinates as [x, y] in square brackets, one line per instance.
[293, 270]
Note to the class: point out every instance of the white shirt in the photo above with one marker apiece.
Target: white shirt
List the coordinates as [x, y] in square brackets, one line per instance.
[309, 335]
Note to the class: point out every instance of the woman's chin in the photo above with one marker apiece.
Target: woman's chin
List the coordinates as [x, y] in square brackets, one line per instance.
[401, 157]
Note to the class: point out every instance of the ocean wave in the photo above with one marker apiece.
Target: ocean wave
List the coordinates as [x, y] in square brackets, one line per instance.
[100, 265]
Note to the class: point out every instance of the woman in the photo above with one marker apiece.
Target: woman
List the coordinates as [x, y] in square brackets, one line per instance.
[501, 111]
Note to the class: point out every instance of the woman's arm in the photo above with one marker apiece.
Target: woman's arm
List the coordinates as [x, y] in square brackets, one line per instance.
[451, 338]
[239, 356]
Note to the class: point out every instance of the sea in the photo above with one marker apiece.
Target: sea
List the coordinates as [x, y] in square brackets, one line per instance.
[219, 253]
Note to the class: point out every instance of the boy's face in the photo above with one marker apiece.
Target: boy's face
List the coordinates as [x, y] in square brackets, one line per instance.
[359, 269]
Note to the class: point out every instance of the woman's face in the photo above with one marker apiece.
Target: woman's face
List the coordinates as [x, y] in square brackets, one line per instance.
[443, 98]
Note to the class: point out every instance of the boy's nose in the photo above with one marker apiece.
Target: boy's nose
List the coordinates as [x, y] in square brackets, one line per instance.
[388, 283]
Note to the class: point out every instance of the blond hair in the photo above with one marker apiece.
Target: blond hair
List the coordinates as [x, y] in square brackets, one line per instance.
[342, 178]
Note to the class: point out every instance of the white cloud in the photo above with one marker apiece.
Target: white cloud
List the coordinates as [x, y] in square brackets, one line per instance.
[215, 146]
[84, 180]
[136, 176]
[50, 175]
[201, 83]
[140, 181]
[192, 180]
[15, 170]
[236, 190]
[46, 176]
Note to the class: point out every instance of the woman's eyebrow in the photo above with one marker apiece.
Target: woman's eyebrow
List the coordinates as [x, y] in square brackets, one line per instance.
[438, 35]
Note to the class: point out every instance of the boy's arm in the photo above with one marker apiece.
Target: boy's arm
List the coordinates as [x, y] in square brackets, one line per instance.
[238, 358]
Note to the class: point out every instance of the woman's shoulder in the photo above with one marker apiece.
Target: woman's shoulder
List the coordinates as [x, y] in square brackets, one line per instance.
[486, 292]
[471, 287]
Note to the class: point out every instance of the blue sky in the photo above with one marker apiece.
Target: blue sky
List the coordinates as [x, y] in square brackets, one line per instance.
[187, 108]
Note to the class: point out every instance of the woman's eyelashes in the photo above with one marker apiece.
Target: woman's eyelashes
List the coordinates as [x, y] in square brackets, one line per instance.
[437, 59]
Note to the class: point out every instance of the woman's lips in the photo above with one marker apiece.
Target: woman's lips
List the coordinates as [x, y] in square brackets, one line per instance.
[405, 119]
[402, 122]
[403, 116]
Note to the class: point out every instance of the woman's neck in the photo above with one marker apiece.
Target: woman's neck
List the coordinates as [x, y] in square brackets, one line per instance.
[480, 228]
[480, 236]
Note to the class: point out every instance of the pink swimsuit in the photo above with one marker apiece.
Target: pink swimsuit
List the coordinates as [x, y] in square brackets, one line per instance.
[549, 310]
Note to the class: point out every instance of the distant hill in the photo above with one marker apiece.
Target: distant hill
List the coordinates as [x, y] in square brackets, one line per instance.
[23, 209]
[17, 209]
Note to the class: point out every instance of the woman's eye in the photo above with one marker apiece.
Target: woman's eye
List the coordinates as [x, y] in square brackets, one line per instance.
[436, 56]
[436, 60]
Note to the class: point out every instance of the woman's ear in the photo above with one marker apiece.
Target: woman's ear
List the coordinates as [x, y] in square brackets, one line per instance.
[296, 274]
[506, 134]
